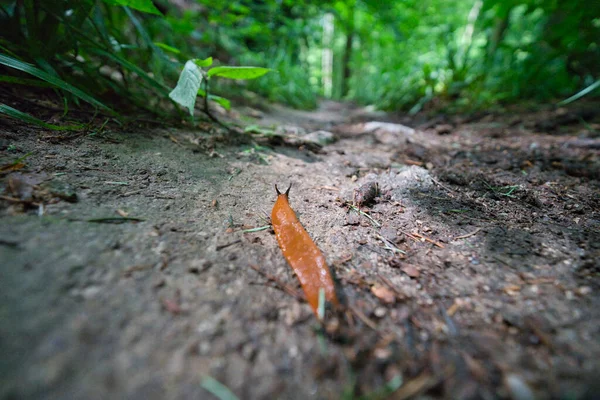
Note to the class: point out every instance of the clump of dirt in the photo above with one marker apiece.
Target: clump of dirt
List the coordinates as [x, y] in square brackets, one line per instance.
[137, 263]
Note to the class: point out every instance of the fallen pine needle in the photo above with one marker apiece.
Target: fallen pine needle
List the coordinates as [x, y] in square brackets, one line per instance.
[468, 234]
[410, 235]
[115, 220]
[441, 246]
[413, 162]
[442, 186]
[333, 189]
[14, 200]
[284, 287]
[389, 284]
[363, 317]
[223, 246]
[139, 267]
[452, 309]
[415, 386]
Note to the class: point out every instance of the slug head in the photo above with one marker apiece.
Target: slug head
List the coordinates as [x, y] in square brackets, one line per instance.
[287, 192]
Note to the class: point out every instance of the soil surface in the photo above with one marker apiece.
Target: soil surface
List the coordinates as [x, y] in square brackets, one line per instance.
[467, 249]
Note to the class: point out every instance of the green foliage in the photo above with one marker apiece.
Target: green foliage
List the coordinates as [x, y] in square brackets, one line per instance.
[140, 5]
[188, 86]
[81, 49]
[291, 84]
[53, 80]
[14, 113]
[115, 54]
[238, 72]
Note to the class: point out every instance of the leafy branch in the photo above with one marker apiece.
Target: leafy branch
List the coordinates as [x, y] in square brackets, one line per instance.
[193, 76]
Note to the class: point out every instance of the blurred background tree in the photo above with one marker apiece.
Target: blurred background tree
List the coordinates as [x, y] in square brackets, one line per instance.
[395, 55]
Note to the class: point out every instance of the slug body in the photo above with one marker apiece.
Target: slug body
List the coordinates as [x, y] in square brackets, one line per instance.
[302, 253]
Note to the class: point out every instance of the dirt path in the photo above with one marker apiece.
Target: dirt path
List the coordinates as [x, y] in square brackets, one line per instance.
[477, 276]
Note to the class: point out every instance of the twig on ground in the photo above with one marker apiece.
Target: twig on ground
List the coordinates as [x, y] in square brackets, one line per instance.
[418, 236]
[333, 189]
[279, 284]
[363, 317]
[15, 200]
[389, 284]
[468, 234]
[389, 245]
[373, 221]
[114, 220]
[443, 186]
[223, 246]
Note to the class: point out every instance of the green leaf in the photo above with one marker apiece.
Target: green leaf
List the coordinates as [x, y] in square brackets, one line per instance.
[11, 112]
[166, 47]
[220, 100]
[30, 69]
[238, 72]
[259, 130]
[187, 86]
[24, 81]
[217, 389]
[204, 63]
[141, 5]
[217, 99]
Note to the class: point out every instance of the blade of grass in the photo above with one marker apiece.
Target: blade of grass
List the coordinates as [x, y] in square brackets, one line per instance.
[38, 73]
[24, 81]
[359, 211]
[162, 89]
[217, 389]
[260, 228]
[93, 48]
[580, 94]
[14, 113]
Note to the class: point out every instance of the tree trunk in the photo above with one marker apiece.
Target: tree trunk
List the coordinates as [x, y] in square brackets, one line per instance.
[347, 72]
[500, 27]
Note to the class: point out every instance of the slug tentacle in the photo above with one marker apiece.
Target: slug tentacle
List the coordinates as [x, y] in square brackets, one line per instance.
[287, 192]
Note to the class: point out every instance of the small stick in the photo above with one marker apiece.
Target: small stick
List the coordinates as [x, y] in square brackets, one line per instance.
[223, 246]
[442, 186]
[468, 234]
[363, 317]
[391, 286]
[389, 245]
[441, 246]
[282, 286]
[413, 162]
[15, 200]
[410, 235]
[334, 189]
[115, 220]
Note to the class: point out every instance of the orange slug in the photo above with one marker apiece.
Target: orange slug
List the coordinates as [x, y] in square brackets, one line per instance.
[301, 252]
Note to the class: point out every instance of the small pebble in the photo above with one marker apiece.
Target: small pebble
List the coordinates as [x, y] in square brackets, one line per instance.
[380, 312]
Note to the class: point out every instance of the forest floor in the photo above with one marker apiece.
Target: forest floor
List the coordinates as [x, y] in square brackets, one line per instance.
[474, 273]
